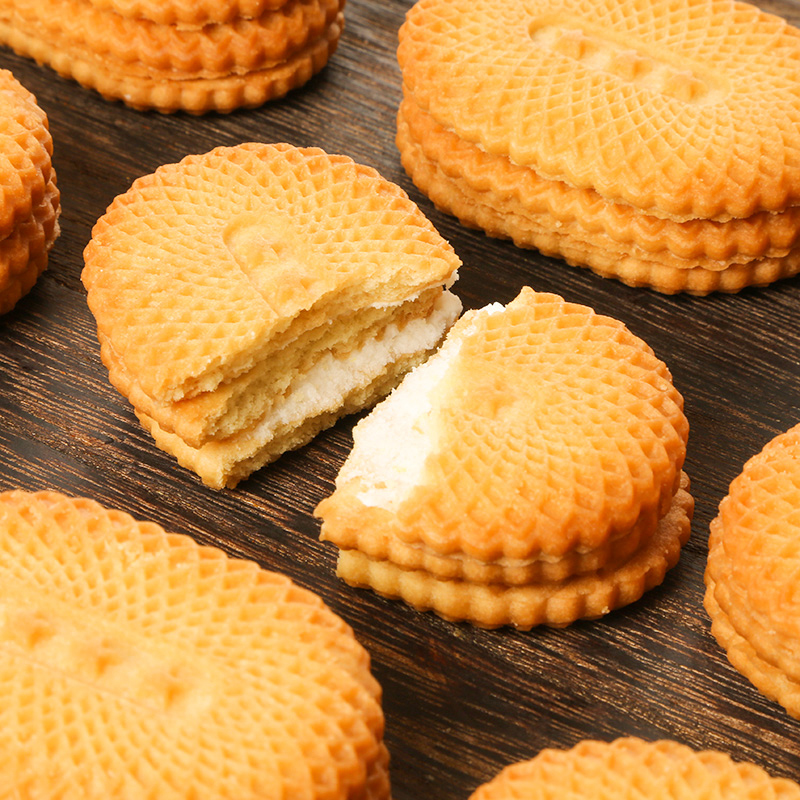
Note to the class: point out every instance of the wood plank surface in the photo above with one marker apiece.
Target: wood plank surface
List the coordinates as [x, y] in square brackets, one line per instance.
[460, 703]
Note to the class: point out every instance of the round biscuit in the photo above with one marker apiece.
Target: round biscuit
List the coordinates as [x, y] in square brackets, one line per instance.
[635, 264]
[680, 109]
[630, 768]
[556, 603]
[546, 483]
[183, 273]
[136, 663]
[509, 201]
[167, 91]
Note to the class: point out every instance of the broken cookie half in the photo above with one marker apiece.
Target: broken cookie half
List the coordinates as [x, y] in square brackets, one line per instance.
[249, 297]
[530, 472]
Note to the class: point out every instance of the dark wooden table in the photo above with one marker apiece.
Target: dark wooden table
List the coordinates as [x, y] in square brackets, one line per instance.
[460, 703]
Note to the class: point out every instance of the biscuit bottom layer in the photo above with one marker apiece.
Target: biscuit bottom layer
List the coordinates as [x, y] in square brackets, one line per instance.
[331, 388]
[555, 603]
[768, 678]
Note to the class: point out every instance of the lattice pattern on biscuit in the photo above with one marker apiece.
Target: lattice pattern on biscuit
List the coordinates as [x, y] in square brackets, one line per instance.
[25, 153]
[753, 567]
[555, 429]
[630, 768]
[183, 274]
[579, 106]
[24, 253]
[29, 196]
[760, 522]
[146, 49]
[135, 663]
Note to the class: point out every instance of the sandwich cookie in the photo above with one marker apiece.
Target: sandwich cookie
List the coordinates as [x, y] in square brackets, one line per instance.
[30, 198]
[174, 56]
[660, 146]
[249, 297]
[529, 473]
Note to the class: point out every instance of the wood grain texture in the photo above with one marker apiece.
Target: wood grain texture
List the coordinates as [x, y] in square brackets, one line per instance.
[460, 703]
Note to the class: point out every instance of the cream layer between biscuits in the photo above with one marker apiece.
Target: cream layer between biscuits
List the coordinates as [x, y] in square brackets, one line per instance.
[321, 392]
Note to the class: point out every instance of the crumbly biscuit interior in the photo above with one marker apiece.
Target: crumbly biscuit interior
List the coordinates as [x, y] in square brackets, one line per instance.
[326, 382]
[316, 397]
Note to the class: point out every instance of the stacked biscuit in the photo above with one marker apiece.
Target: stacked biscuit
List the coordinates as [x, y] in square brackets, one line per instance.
[657, 144]
[248, 297]
[30, 198]
[135, 663]
[529, 473]
[629, 769]
[178, 54]
[751, 575]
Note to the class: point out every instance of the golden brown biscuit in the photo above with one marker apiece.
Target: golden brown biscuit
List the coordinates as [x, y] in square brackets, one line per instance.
[629, 143]
[147, 64]
[189, 13]
[24, 253]
[524, 606]
[30, 198]
[528, 473]
[750, 578]
[508, 201]
[139, 664]
[248, 297]
[625, 768]
[147, 49]
[661, 110]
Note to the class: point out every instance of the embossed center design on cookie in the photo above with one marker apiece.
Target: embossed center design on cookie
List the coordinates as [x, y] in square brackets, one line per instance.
[657, 72]
[275, 259]
[54, 640]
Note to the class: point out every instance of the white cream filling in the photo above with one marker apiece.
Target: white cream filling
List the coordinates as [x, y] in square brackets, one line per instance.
[392, 443]
[328, 383]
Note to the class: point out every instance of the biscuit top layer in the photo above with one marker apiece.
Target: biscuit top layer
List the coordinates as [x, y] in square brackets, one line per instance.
[681, 109]
[26, 148]
[188, 13]
[551, 429]
[126, 652]
[759, 530]
[619, 770]
[144, 48]
[196, 269]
